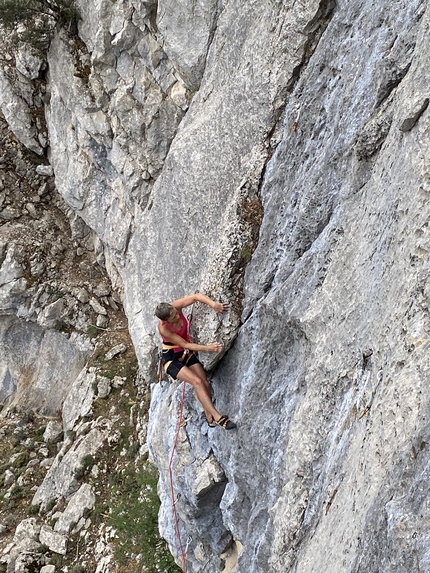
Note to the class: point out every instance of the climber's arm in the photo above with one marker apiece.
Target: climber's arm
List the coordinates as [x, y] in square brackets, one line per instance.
[218, 307]
[177, 340]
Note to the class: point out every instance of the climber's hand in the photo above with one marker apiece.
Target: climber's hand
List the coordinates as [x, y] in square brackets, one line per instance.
[214, 347]
[221, 307]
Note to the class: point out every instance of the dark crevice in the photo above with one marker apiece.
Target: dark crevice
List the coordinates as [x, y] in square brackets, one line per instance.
[315, 30]
[130, 232]
[393, 82]
[152, 17]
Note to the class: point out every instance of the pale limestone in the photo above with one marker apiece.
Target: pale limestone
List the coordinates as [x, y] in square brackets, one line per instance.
[61, 480]
[17, 114]
[318, 110]
[79, 400]
[82, 500]
[56, 542]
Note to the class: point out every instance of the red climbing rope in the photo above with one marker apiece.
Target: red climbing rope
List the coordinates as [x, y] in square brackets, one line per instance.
[172, 490]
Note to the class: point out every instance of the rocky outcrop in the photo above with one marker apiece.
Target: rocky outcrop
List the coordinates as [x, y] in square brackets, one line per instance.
[17, 109]
[37, 367]
[273, 155]
[52, 290]
[323, 378]
[66, 477]
[60, 319]
[62, 478]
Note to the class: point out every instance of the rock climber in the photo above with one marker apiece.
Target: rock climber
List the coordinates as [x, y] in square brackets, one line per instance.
[179, 353]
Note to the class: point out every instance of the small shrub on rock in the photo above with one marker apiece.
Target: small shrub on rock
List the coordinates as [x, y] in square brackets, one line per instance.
[33, 22]
[33, 510]
[77, 568]
[86, 463]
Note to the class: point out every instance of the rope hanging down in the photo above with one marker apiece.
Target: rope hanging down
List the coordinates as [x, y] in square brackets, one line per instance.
[172, 491]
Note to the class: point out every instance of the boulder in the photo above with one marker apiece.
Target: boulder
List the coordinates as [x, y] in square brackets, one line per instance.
[103, 387]
[17, 114]
[40, 367]
[80, 501]
[79, 400]
[28, 63]
[61, 481]
[53, 432]
[45, 170]
[118, 349]
[56, 542]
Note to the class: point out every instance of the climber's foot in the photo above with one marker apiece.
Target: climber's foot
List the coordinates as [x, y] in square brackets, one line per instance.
[225, 423]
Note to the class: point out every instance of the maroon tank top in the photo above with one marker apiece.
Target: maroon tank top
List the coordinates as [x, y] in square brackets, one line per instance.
[183, 332]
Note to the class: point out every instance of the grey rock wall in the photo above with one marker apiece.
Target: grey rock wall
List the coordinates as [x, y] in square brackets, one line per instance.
[327, 370]
[272, 154]
[123, 152]
[326, 376]
[37, 367]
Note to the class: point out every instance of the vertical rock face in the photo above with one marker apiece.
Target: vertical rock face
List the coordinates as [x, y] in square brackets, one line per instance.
[327, 372]
[326, 377]
[273, 154]
[37, 367]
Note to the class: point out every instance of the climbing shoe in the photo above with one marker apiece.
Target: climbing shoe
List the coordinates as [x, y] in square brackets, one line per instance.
[225, 423]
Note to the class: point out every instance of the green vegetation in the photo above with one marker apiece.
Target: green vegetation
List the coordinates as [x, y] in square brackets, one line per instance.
[77, 568]
[86, 464]
[21, 460]
[125, 481]
[50, 505]
[245, 254]
[33, 510]
[93, 331]
[134, 515]
[33, 22]
[130, 503]
[17, 492]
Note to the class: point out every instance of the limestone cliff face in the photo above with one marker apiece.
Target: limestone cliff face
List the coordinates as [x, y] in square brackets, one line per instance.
[190, 139]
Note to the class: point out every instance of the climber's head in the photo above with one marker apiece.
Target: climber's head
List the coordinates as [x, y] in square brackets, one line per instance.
[164, 310]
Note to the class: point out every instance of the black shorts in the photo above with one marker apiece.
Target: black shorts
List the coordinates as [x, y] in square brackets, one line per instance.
[174, 361]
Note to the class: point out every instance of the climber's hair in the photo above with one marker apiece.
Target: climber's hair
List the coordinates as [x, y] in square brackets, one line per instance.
[163, 310]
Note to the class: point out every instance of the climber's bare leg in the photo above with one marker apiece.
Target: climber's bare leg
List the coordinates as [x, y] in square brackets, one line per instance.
[197, 378]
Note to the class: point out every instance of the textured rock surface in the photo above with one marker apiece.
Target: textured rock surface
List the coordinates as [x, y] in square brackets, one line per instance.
[326, 376]
[37, 367]
[82, 500]
[79, 400]
[199, 481]
[53, 432]
[55, 541]
[62, 479]
[25, 540]
[289, 139]
[17, 113]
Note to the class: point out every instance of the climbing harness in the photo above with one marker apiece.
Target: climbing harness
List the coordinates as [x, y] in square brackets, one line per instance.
[172, 490]
[167, 347]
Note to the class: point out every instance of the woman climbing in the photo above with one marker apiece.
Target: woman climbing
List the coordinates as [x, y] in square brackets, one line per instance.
[179, 358]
